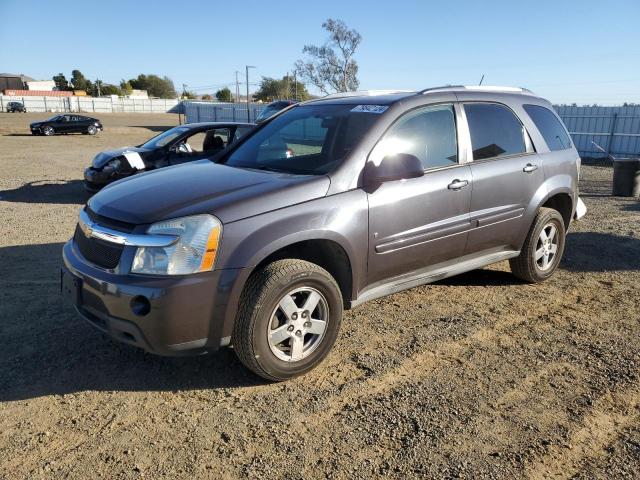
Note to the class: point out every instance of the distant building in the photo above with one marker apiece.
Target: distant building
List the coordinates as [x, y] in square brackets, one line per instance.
[41, 85]
[14, 81]
[138, 94]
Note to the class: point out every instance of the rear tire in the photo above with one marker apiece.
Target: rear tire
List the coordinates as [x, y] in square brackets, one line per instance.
[289, 317]
[48, 131]
[543, 248]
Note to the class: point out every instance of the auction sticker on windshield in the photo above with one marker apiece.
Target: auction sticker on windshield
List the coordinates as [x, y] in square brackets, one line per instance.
[370, 108]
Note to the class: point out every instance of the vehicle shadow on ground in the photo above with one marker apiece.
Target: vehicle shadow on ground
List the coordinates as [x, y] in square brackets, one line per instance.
[600, 252]
[480, 278]
[47, 191]
[47, 349]
[19, 135]
[154, 128]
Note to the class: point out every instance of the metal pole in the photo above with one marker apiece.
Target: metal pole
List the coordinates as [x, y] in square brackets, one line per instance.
[247, 67]
[611, 133]
[288, 90]
[295, 85]
[237, 89]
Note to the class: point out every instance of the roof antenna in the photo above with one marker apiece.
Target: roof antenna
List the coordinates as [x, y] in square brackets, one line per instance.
[481, 79]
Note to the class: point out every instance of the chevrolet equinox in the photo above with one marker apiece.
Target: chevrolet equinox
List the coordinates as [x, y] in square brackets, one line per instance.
[324, 206]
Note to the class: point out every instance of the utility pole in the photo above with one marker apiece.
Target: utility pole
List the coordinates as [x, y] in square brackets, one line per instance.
[237, 88]
[184, 90]
[98, 82]
[247, 67]
[288, 90]
[295, 85]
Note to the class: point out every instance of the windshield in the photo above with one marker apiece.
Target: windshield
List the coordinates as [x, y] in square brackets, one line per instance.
[308, 140]
[165, 137]
[54, 118]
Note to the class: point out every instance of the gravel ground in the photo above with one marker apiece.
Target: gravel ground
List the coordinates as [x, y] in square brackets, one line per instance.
[478, 376]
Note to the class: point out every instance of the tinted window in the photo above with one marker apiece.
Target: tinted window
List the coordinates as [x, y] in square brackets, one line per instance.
[428, 133]
[310, 140]
[549, 126]
[495, 131]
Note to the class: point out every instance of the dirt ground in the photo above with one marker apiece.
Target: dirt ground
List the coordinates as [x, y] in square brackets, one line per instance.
[478, 376]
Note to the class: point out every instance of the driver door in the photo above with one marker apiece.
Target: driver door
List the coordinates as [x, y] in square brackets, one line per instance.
[420, 222]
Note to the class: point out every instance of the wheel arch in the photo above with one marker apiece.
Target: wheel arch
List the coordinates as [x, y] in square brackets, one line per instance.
[321, 248]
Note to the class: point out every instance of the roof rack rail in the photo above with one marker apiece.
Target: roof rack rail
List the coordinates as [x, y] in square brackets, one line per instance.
[443, 87]
[476, 88]
[363, 93]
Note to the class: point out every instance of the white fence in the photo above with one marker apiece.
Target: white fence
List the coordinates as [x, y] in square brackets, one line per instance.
[90, 104]
[221, 112]
[616, 129]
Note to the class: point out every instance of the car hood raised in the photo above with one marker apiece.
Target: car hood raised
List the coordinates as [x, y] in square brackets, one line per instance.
[204, 187]
[101, 159]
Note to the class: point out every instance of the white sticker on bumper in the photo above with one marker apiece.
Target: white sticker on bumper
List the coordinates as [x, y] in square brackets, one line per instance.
[134, 160]
[581, 209]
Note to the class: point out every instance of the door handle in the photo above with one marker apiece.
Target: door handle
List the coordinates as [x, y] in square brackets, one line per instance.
[529, 168]
[458, 184]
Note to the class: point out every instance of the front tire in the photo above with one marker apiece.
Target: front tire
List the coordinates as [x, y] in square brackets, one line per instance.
[543, 248]
[92, 130]
[289, 317]
[48, 131]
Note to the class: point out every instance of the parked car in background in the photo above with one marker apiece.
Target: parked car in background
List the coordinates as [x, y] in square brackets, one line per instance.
[13, 107]
[67, 123]
[177, 145]
[332, 203]
[273, 108]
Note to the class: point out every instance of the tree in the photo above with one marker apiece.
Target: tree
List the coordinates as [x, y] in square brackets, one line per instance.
[188, 94]
[328, 70]
[273, 89]
[126, 87]
[79, 82]
[154, 85]
[224, 95]
[110, 89]
[206, 96]
[61, 82]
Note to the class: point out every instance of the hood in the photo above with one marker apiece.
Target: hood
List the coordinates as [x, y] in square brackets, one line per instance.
[101, 159]
[204, 187]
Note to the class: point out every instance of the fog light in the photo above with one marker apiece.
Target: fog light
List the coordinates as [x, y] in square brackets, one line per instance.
[140, 305]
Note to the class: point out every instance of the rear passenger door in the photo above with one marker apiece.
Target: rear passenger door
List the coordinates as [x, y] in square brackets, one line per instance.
[506, 174]
[419, 222]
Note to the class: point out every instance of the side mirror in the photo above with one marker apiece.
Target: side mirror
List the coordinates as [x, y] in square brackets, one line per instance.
[393, 167]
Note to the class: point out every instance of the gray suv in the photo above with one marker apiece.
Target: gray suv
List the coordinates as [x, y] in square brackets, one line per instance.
[327, 205]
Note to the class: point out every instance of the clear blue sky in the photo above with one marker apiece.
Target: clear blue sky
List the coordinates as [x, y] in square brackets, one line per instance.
[568, 51]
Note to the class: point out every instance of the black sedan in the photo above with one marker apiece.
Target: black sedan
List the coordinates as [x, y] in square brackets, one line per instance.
[67, 123]
[177, 145]
[13, 107]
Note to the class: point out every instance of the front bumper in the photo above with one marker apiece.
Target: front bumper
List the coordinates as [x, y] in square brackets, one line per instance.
[94, 179]
[182, 315]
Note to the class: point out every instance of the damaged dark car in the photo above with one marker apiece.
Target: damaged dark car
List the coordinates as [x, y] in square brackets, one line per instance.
[181, 144]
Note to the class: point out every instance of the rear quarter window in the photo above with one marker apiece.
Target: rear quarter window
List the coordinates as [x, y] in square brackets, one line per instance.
[550, 128]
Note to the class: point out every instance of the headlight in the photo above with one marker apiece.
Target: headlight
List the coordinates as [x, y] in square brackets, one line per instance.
[194, 251]
[113, 165]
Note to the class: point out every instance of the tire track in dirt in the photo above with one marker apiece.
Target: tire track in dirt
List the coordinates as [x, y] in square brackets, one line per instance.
[600, 428]
[420, 366]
